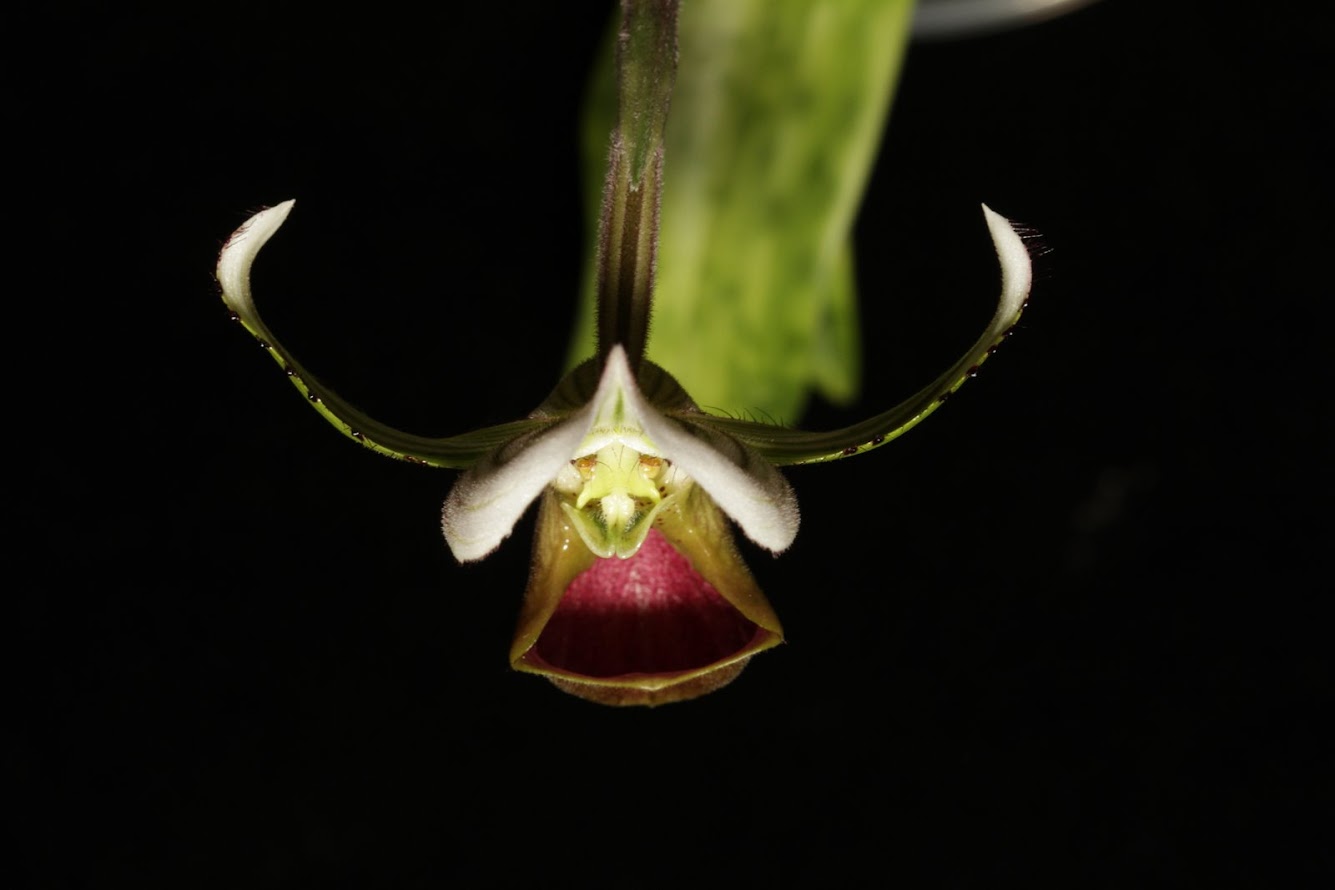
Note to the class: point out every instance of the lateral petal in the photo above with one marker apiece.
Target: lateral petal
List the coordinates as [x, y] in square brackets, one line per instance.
[233, 274]
[784, 446]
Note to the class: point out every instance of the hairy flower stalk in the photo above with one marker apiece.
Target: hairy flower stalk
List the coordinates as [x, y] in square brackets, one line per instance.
[637, 593]
[628, 227]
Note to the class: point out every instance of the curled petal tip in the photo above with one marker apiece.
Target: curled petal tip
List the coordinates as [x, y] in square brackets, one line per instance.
[238, 255]
[1016, 268]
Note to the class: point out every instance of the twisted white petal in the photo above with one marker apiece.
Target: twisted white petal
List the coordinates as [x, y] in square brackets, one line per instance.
[488, 500]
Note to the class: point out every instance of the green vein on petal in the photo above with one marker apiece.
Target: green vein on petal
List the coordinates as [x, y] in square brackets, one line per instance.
[233, 274]
[784, 446]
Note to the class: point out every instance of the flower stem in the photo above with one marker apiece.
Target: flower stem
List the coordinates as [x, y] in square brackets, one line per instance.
[628, 227]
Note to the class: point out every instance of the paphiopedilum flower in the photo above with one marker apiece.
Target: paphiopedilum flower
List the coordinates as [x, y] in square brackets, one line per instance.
[637, 593]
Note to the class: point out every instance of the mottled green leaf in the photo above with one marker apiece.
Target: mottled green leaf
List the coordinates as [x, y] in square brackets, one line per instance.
[777, 113]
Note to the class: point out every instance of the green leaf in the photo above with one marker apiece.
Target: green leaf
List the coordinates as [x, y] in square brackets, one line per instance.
[777, 112]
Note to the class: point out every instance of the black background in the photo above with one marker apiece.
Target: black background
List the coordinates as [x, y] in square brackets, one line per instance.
[1071, 631]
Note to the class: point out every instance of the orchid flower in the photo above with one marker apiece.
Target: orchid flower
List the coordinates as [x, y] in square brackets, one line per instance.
[637, 593]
